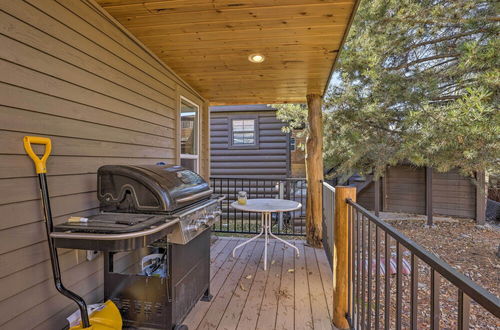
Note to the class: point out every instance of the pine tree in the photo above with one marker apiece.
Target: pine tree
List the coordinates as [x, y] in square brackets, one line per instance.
[418, 81]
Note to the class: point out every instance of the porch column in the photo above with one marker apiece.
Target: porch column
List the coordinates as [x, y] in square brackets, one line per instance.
[314, 171]
[341, 262]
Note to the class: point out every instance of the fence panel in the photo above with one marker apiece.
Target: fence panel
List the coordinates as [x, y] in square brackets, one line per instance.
[239, 222]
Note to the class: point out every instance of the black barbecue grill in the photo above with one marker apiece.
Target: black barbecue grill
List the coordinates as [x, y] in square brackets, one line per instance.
[161, 211]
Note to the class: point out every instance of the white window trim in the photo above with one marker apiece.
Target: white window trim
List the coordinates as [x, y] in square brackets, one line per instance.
[198, 135]
[253, 131]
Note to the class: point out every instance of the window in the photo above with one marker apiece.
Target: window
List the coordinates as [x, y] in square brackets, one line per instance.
[293, 144]
[243, 132]
[189, 127]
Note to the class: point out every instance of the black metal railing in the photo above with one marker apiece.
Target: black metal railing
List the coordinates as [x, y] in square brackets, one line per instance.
[328, 193]
[239, 222]
[394, 283]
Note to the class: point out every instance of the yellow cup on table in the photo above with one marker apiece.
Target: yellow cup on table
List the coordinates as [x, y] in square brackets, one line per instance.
[242, 198]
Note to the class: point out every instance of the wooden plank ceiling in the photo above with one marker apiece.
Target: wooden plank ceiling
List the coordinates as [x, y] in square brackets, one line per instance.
[207, 43]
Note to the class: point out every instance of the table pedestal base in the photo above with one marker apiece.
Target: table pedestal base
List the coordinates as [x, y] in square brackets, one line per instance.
[265, 230]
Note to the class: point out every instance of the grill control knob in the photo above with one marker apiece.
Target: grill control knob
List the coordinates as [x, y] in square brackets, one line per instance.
[202, 222]
[194, 227]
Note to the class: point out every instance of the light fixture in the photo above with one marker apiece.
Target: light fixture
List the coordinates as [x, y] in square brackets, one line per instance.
[256, 58]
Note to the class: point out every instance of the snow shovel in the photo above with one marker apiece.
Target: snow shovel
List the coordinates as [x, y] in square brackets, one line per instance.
[106, 318]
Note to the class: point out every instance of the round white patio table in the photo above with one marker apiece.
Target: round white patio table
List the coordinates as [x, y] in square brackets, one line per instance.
[266, 206]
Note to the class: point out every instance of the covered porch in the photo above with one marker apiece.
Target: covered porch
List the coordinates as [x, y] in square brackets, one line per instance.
[108, 82]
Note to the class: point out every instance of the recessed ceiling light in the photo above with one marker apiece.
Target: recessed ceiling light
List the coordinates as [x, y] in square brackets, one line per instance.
[256, 58]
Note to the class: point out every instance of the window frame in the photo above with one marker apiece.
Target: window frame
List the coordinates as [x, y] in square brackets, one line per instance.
[254, 145]
[196, 156]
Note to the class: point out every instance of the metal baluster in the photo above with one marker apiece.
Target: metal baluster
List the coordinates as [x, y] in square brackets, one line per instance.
[349, 273]
[358, 265]
[369, 265]
[387, 289]
[377, 278]
[234, 210]
[249, 188]
[414, 292]
[399, 285]
[363, 272]
[302, 209]
[435, 281]
[228, 208]
[257, 186]
[463, 310]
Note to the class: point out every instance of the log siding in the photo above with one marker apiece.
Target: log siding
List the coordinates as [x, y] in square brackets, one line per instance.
[268, 158]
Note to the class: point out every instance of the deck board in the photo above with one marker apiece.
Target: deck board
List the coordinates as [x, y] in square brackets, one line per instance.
[294, 293]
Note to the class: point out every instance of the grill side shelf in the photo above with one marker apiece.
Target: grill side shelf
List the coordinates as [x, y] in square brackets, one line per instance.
[114, 237]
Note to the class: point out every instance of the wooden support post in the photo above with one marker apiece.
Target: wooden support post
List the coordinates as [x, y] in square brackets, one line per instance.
[377, 195]
[385, 190]
[481, 193]
[341, 255]
[428, 196]
[314, 171]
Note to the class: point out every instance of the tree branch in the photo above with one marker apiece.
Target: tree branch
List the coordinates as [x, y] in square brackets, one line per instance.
[435, 41]
[421, 60]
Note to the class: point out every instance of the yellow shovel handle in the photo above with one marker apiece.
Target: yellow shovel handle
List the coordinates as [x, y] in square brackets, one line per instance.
[40, 163]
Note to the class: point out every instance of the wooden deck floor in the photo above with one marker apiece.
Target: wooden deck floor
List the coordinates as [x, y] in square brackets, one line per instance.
[294, 293]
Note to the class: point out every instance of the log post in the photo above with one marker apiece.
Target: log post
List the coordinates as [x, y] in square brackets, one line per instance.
[314, 171]
[341, 255]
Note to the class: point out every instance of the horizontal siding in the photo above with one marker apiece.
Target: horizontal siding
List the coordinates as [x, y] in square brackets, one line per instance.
[405, 190]
[69, 73]
[453, 194]
[268, 160]
[366, 197]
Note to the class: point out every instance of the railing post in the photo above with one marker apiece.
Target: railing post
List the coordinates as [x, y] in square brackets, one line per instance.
[281, 195]
[341, 255]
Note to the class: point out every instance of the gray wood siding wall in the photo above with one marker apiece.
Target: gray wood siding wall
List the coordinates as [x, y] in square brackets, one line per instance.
[69, 73]
[452, 193]
[270, 159]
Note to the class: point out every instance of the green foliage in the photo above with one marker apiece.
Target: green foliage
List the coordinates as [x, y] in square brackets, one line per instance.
[296, 117]
[419, 81]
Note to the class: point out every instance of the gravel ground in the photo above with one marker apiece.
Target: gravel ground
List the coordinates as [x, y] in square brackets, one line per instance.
[468, 248]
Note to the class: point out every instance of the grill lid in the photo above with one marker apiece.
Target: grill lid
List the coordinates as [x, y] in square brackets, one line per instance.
[148, 188]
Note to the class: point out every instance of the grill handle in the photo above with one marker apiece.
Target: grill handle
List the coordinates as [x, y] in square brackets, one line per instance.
[113, 237]
[195, 196]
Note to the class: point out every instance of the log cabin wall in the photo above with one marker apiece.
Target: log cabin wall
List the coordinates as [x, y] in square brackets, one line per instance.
[269, 158]
[404, 190]
[70, 73]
